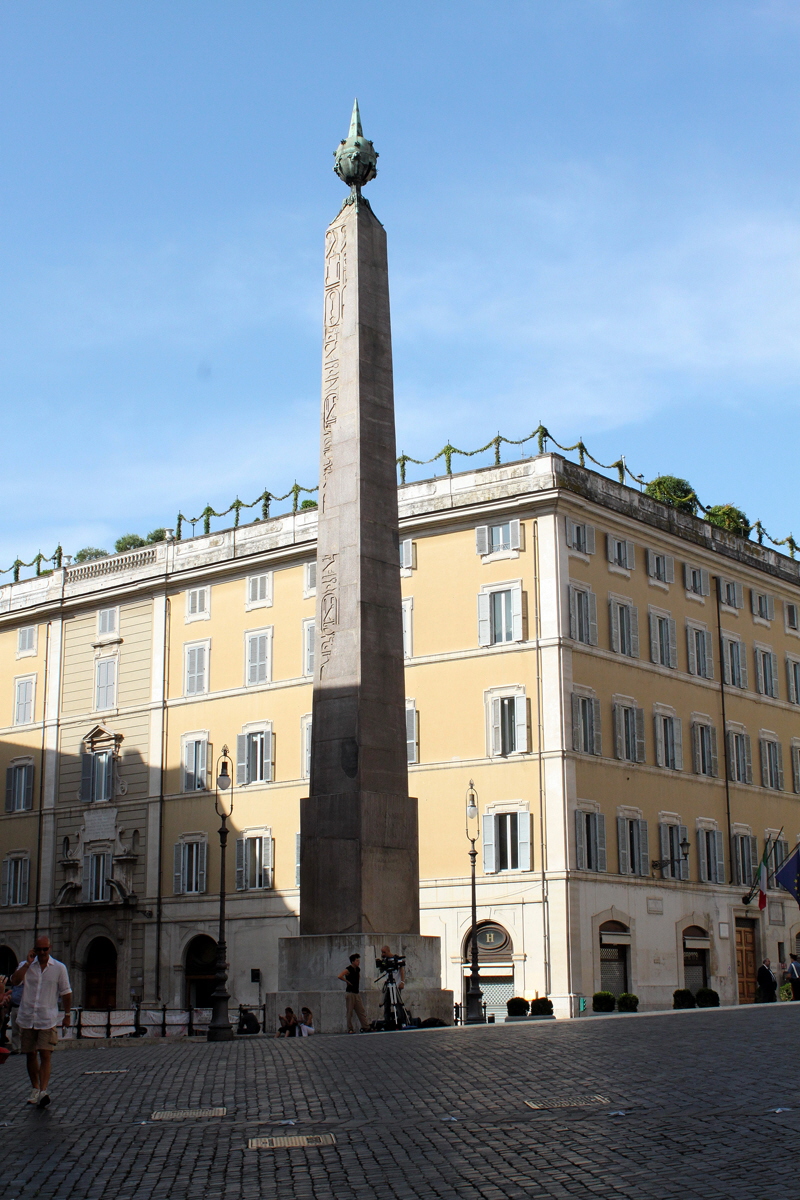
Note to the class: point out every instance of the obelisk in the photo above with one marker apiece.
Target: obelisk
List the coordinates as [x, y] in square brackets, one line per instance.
[359, 864]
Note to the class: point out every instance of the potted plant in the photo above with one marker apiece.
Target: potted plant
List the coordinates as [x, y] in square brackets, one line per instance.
[603, 1002]
[627, 1002]
[517, 1008]
[707, 998]
[683, 998]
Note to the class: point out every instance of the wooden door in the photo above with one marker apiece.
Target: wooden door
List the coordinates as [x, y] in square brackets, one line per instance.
[746, 963]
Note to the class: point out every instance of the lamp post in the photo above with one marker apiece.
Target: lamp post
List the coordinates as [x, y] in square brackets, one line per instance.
[220, 1028]
[474, 994]
[670, 862]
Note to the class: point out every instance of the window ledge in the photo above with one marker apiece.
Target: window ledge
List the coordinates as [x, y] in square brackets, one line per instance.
[694, 596]
[615, 570]
[584, 558]
[189, 620]
[659, 583]
[495, 556]
[793, 632]
[101, 644]
[729, 609]
[762, 621]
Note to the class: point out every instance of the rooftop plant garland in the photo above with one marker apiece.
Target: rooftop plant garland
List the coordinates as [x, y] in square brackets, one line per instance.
[668, 489]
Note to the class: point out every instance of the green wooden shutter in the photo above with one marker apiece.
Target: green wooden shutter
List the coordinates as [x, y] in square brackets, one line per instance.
[622, 846]
[719, 844]
[177, 869]
[714, 758]
[702, 857]
[644, 848]
[580, 840]
[640, 742]
[241, 882]
[655, 646]
[597, 747]
[613, 618]
[202, 861]
[592, 603]
[600, 834]
[677, 732]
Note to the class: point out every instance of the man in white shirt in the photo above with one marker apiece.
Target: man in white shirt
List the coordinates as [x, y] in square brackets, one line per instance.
[44, 980]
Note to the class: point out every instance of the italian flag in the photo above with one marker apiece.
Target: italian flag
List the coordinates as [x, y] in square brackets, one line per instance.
[762, 877]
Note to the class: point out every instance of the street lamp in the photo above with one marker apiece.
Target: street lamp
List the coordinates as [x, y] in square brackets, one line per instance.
[220, 1028]
[474, 994]
[672, 862]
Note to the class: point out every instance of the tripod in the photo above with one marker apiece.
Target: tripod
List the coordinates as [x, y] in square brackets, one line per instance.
[394, 1011]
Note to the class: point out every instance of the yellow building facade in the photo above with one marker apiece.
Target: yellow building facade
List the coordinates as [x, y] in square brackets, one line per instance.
[621, 682]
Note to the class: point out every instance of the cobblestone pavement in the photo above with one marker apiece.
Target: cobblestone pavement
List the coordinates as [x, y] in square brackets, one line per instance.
[690, 1113]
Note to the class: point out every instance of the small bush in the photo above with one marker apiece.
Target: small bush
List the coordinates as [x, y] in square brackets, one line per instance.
[728, 516]
[157, 535]
[785, 991]
[433, 1023]
[542, 1006]
[517, 1006]
[603, 1002]
[677, 493]
[707, 998]
[128, 541]
[683, 998]
[89, 553]
[627, 1002]
[309, 504]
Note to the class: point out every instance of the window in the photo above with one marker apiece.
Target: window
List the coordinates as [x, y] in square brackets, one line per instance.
[734, 664]
[582, 615]
[412, 731]
[509, 724]
[254, 861]
[700, 651]
[19, 787]
[96, 872]
[660, 566]
[696, 580]
[259, 591]
[731, 593]
[310, 588]
[669, 741]
[408, 554]
[254, 756]
[259, 645]
[779, 852]
[308, 647]
[620, 553]
[629, 732]
[26, 641]
[740, 761]
[197, 604]
[633, 846]
[766, 672]
[670, 838]
[793, 679]
[704, 750]
[663, 639]
[500, 615]
[196, 669]
[107, 621]
[590, 841]
[580, 537]
[762, 605]
[771, 764]
[105, 693]
[586, 724]
[710, 856]
[408, 627]
[189, 866]
[745, 858]
[97, 776]
[792, 614]
[497, 539]
[624, 619]
[23, 700]
[16, 872]
[305, 741]
[507, 841]
[195, 763]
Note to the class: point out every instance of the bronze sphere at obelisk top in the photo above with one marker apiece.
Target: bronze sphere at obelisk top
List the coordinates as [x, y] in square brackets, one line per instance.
[356, 157]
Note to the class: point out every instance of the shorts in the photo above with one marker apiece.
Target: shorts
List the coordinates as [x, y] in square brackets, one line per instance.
[32, 1040]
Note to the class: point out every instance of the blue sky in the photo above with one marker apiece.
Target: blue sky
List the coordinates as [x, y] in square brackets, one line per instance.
[593, 210]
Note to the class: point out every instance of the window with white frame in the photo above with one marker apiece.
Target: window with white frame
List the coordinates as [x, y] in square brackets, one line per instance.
[107, 621]
[795, 753]
[586, 724]
[766, 671]
[791, 614]
[96, 874]
[24, 689]
[620, 553]
[624, 623]
[590, 841]
[19, 786]
[740, 756]
[310, 580]
[408, 555]
[669, 739]
[500, 538]
[16, 873]
[779, 852]
[27, 639]
[254, 755]
[506, 838]
[670, 836]
[793, 678]
[731, 593]
[198, 602]
[500, 614]
[259, 591]
[309, 633]
[412, 731]
[196, 655]
[408, 627]
[663, 639]
[189, 865]
[734, 665]
[507, 713]
[700, 650]
[745, 858]
[762, 605]
[105, 683]
[696, 580]
[254, 860]
[582, 614]
[771, 762]
[196, 762]
[711, 856]
[97, 776]
[580, 536]
[628, 730]
[633, 846]
[660, 566]
[305, 745]
[258, 652]
[704, 749]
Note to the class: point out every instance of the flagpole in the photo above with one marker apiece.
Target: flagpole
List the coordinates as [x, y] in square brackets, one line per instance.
[756, 884]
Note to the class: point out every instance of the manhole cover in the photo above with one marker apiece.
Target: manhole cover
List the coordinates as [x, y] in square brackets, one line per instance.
[181, 1114]
[567, 1102]
[299, 1139]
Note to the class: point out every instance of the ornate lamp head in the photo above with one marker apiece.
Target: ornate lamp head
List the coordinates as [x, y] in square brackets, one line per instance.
[355, 158]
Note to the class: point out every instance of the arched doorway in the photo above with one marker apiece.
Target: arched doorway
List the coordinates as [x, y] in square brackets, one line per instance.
[615, 940]
[8, 961]
[101, 974]
[695, 958]
[497, 968]
[199, 971]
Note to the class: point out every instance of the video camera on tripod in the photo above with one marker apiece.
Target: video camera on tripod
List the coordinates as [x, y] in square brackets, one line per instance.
[394, 1011]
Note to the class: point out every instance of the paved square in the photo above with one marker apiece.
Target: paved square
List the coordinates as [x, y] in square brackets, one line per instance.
[658, 1106]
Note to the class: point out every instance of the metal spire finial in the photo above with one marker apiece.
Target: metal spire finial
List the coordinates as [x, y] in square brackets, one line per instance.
[355, 158]
[355, 122]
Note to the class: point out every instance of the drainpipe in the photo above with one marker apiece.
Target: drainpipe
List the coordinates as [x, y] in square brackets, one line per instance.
[540, 738]
[721, 644]
[41, 785]
[164, 731]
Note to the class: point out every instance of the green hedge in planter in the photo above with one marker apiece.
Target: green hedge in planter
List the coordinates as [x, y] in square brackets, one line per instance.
[627, 1002]
[541, 1007]
[683, 998]
[707, 998]
[603, 1002]
[517, 1006]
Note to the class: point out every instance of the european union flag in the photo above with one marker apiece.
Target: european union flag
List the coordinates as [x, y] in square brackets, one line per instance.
[788, 875]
